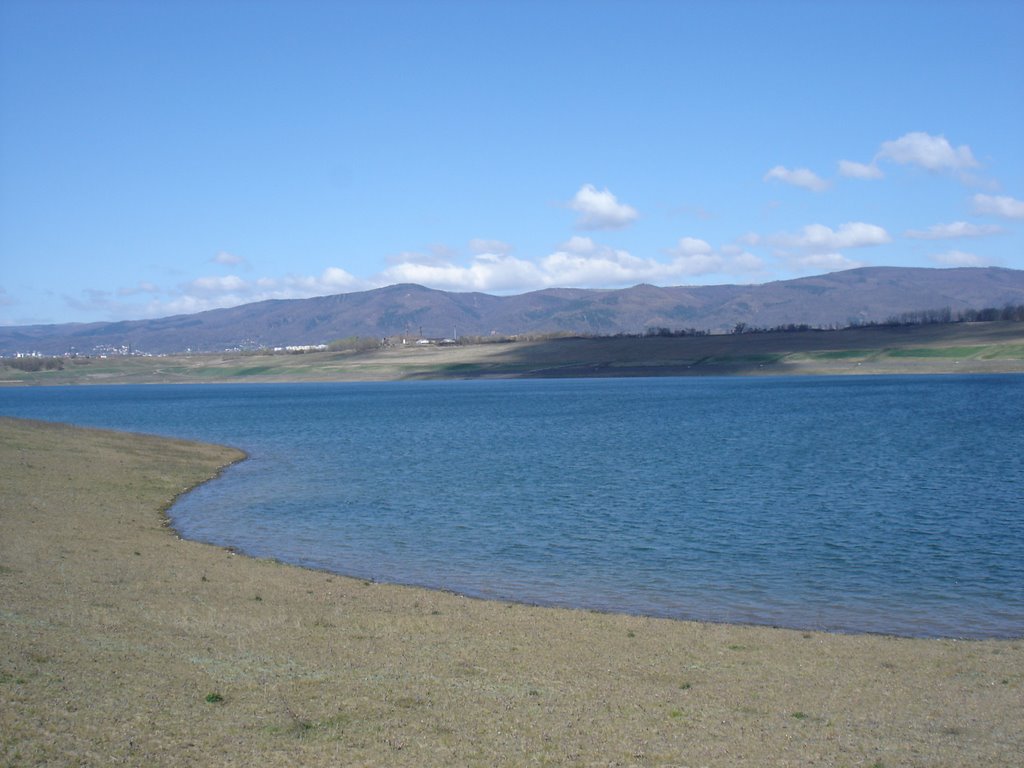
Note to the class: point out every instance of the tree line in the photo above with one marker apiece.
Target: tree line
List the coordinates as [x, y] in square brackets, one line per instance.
[35, 364]
[1013, 313]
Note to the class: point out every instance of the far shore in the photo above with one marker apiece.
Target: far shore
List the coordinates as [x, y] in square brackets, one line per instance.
[990, 347]
[121, 643]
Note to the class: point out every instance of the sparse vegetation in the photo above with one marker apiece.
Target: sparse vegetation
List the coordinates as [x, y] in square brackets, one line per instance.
[34, 364]
[121, 672]
[1011, 313]
[677, 333]
[953, 347]
[354, 344]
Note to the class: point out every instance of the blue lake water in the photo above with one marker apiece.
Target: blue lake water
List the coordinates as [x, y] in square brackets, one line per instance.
[878, 504]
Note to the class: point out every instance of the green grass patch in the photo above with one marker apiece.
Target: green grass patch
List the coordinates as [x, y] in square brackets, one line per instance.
[760, 359]
[302, 728]
[254, 370]
[1003, 352]
[460, 368]
[941, 352]
[840, 354]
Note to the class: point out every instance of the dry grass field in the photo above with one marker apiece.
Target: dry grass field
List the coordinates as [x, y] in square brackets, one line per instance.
[121, 644]
[957, 348]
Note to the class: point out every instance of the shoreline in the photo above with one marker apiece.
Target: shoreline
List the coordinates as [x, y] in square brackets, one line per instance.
[121, 642]
[557, 606]
[994, 347]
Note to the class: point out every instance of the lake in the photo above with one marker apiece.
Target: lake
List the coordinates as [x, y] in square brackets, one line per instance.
[855, 504]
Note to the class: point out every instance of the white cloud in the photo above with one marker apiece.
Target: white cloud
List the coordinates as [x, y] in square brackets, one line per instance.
[607, 267]
[414, 257]
[830, 262]
[953, 230]
[215, 285]
[228, 259]
[692, 257]
[959, 259]
[933, 153]
[744, 263]
[817, 247]
[604, 267]
[487, 272]
[600, 209]
[697, 264]
[691, 246]
[216, 292]
[821, 239]
[798, 177]
[579, 262]
[999, 205]
[478, 245]
[442, 251]
[578, 244]
[336, 277]
[852, 170]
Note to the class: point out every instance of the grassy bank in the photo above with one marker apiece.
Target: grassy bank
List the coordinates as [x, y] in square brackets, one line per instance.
[120, 643]
[961, 347]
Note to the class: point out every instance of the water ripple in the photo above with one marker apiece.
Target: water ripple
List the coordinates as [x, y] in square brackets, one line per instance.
[869, 504]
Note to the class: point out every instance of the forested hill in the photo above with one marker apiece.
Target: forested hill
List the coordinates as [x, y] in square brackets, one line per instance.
[870, 294]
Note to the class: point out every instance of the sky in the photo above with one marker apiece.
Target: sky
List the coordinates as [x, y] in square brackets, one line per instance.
[160, 158]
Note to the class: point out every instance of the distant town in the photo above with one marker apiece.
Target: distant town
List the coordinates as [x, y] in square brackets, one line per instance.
[104, 351]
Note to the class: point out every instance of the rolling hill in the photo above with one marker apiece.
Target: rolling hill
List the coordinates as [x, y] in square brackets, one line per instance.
[836, 299]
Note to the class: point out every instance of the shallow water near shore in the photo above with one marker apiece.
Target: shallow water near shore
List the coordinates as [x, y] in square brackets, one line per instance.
[878, 504]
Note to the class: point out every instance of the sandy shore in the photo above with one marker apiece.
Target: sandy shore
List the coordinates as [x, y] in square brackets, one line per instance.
[122, 644]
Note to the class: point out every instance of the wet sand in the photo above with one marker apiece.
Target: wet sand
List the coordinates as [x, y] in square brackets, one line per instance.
[122, 644]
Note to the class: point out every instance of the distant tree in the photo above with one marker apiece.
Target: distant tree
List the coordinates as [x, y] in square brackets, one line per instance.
[35, 364]
[354, 344]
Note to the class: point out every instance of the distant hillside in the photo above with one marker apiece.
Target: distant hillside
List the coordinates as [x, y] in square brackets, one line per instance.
[840, 298]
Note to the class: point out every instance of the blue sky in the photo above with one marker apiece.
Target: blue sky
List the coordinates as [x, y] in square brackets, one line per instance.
[166, 157]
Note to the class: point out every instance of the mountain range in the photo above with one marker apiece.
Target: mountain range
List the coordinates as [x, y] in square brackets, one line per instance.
[837, 299]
